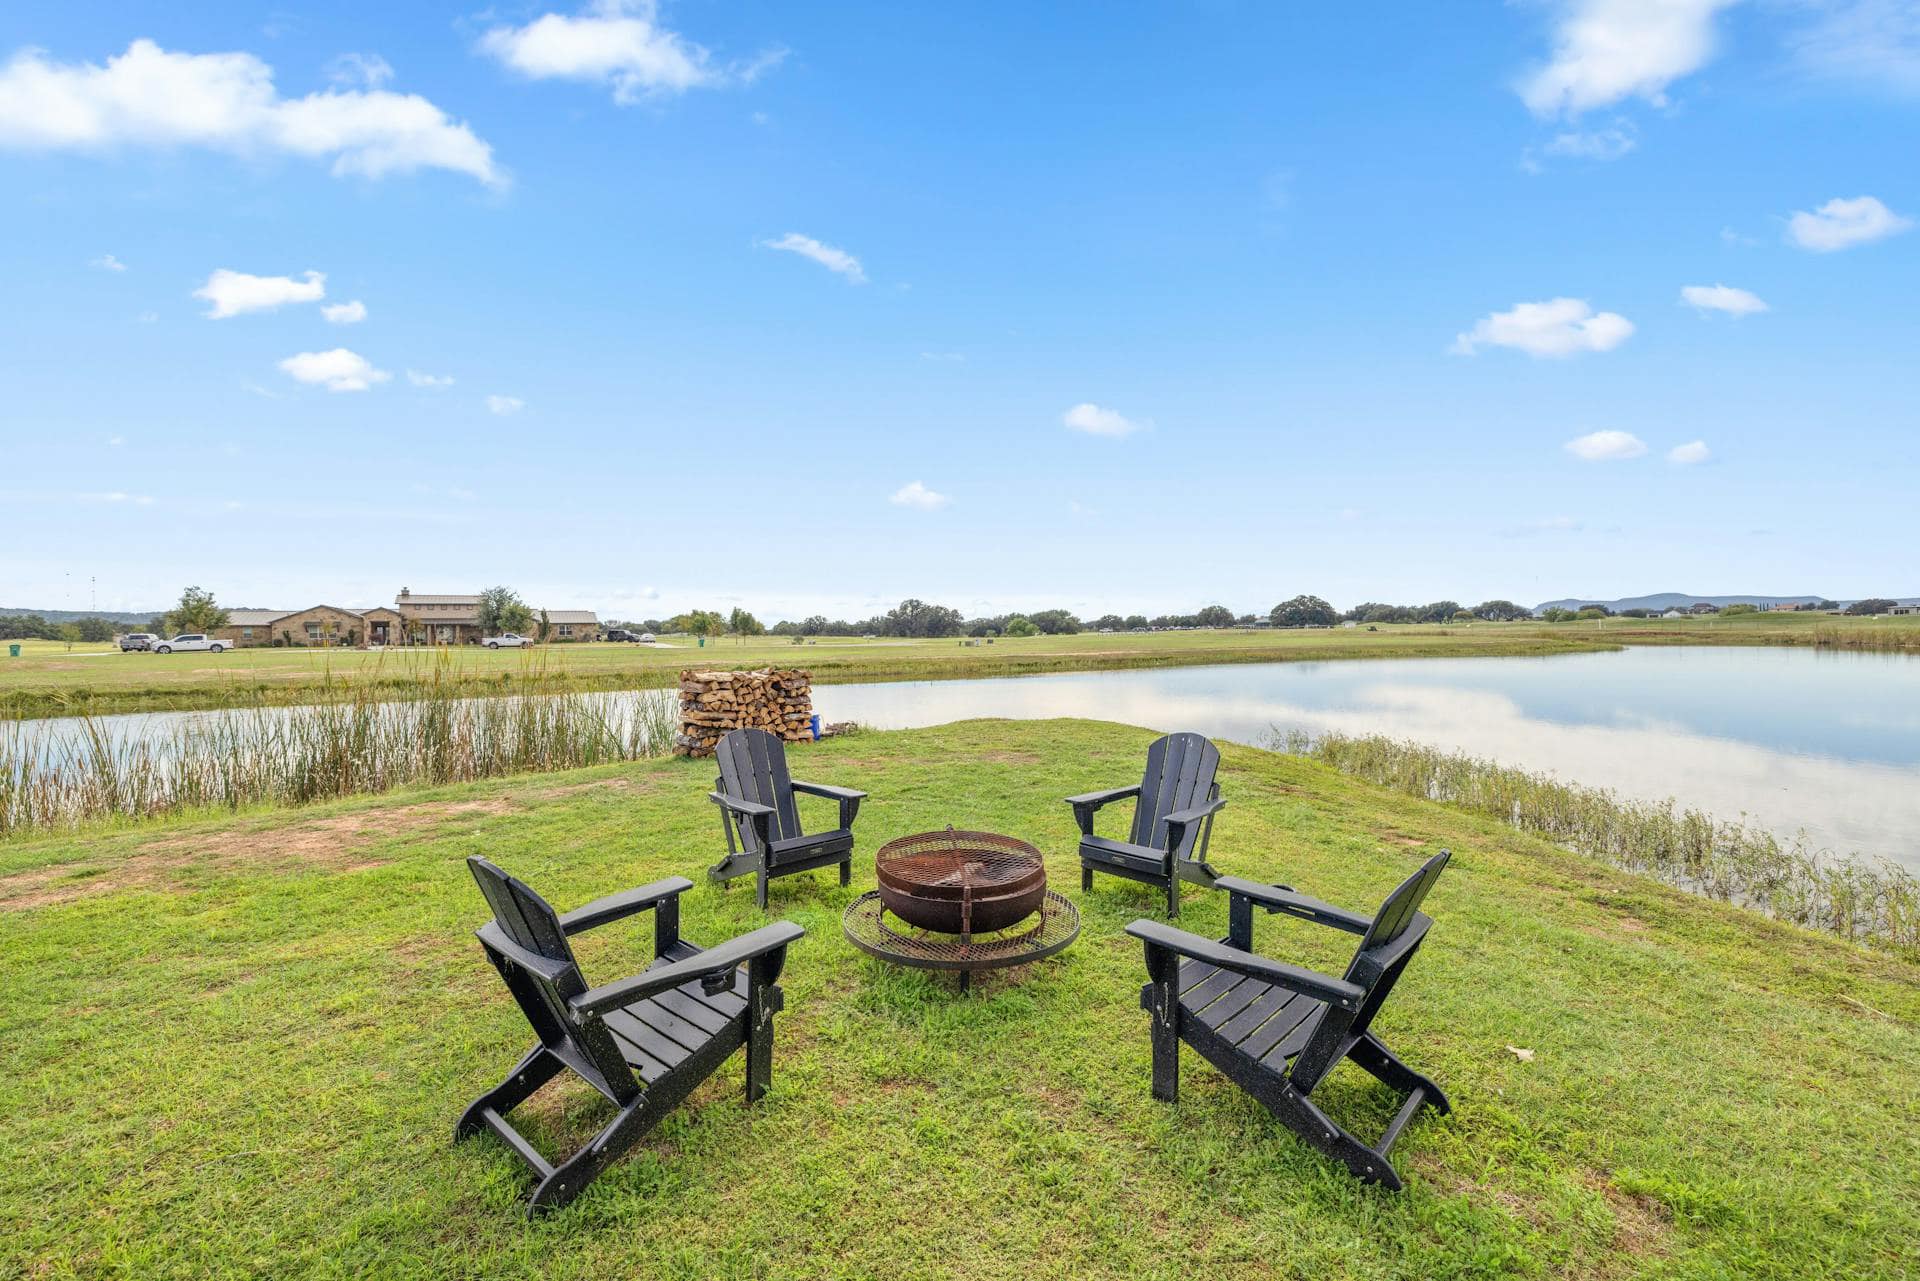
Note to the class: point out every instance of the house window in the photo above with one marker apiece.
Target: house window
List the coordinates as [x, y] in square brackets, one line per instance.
[246, 633]
[313, 631]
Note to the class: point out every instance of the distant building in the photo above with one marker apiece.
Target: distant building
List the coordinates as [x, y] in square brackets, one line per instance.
[1901, 611]
[1675, 613]
[414, 620]
[1786, 607]
[455, 620]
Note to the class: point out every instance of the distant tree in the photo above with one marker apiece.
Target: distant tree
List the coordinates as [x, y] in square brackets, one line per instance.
[1214, 616]
[1135, 621]
[1055, 622]
[743, 624]
[544, 628]
[701, 622]
[93, 631]
[1500, 611]
[1462, 616]
[1872, 605]
[1558, 615]
[813, 625]
[196, 612]
[913, 617]
[1247, 620]
[502, 610]
[1590, 612]
[1438, 611]
[1739, 607]
[1303, 611]
[1109, 623]
[1018, 626]
[1636, 613]
[991, 626]
[1825, 606]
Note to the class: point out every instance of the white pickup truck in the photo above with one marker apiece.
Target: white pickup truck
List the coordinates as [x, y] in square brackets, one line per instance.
[189, 642]
[506, 640]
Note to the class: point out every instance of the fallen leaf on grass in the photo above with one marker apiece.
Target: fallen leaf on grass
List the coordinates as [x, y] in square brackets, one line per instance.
[1525, 1056]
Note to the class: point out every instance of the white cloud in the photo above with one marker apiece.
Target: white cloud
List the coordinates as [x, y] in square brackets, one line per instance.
[618, 44]
[1734, 302]
[336, 370]
[1097, 421]
[914, 494]
[837, 260]
[1855, 41]
[1592, 144]
[149, 96]
[1606, 446]
[345, 313]
[419, 379]
[1557, 327]
[504, 405]
[1841, 224]
[1607, 50]
[118, 496]
[107, 262]
[234, 293]
[116, 441]
[1694, 451]
[366, 70]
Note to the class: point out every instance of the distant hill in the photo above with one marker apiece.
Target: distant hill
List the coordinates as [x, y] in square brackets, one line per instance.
[1680, 600]
[75, 615]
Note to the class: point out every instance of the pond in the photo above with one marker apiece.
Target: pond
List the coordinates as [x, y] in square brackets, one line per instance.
[1798, 740]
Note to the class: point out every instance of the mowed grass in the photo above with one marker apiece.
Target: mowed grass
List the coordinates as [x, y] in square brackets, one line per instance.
[237, 1046]
[48, 680]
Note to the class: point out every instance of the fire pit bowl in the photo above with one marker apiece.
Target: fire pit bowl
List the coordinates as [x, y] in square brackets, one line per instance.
[961, 882]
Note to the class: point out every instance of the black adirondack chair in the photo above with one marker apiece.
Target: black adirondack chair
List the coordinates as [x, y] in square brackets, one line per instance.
[645, 1042]
[1276, 1030]
[761, 821]
[1172, 820]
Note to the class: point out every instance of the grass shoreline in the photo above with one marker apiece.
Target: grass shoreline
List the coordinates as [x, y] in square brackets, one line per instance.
[912, 1133]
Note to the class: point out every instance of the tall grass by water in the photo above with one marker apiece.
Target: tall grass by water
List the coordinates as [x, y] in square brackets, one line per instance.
[78, 771]
[1865, 899]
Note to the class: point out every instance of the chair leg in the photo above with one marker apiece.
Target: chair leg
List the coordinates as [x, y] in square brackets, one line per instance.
[1086, 878]
[760, 889]
[763, 1000]
[1173, 896]
[1163, 1010]
[1315, 1128]
[846, 871]
[535, 1070]
[1385, 1066]
[571, 1177]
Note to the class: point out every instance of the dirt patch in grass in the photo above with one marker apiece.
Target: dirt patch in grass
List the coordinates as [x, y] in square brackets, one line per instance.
[1401, 838]
[998, 757]
[336, 843]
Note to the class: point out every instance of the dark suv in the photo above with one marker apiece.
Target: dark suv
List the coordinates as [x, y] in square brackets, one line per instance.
[622, 634]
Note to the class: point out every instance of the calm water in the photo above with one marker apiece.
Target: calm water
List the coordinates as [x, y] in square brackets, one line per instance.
[1799, 740]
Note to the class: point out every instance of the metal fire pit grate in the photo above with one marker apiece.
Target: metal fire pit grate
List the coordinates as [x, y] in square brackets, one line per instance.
[960, 882]
[869, 927]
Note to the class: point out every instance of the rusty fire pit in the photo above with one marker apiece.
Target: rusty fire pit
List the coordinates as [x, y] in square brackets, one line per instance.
[960, 882]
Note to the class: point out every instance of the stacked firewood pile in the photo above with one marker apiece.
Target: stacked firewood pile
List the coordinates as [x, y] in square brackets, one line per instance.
[779, 700]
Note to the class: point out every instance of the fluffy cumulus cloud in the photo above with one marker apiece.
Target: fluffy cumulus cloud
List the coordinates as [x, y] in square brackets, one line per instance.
[1722, 298]
[1843, 223]
[153, 97]
[234, 293]
[345, 313]
[1095, 420]
[503, 405]
[336, 370]
[1606, 446]
[916, 495]
[622, 45]
[1557, 327]
[1687, 455]
[1608, 50]
[834, 260]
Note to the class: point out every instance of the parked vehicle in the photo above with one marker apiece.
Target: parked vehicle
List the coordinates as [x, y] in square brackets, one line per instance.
[190, 642]
[623, 635]
[506, 640]
[137, 640]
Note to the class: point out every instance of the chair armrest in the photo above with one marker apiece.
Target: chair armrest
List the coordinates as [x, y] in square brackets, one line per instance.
[849, 798]
[1278, 898]
[1294, 978]
[664, 978]
[752, 809]
[1178, 823]
[1085, 805]
[616, 907]
[495, 940]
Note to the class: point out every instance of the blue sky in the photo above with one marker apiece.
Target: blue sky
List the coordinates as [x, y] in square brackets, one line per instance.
[1128, 307]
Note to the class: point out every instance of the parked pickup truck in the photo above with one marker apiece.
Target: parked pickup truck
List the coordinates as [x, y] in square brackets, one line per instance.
[137, 640]
[506, 640]
[189, 642]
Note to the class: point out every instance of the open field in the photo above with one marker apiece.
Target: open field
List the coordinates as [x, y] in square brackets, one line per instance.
[47, 680]
[236, 1046]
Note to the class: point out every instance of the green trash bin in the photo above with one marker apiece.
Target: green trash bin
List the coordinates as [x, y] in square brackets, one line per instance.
[701, 639]
[13, 651]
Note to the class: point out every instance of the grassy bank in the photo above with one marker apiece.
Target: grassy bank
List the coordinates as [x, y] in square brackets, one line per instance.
[47, 680]
[1867, 899]
[236, 1047]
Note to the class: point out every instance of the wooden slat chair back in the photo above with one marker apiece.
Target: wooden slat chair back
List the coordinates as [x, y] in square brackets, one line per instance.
[1277, 1030]
[643, 1042]
[760, 817]
[1174, 805]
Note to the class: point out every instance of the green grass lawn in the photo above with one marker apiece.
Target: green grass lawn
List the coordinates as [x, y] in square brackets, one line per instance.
[236, 1046]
